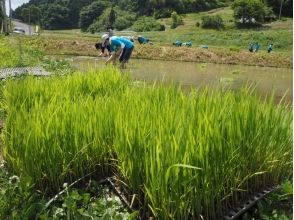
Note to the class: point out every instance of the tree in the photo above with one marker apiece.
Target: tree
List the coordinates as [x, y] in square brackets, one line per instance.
[248, 12]
[283, 6]
[56, 17]
[31, 14]
[176, 20]
[1, 12]
[89, 13]
[212, 22]
[124, 19]
[75, 7]
[112, 17]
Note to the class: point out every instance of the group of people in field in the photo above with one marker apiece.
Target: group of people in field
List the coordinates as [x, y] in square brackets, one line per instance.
[255, 47]
[121, 47]
[118, 48]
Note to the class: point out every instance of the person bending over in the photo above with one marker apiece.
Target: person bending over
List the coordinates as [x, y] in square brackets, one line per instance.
[120, 47]
[104, 53]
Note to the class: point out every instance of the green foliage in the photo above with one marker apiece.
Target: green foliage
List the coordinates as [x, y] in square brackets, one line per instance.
[96, 202]
[123, 20]
[1, 13]
[176, 20]
[31, 14]
[287, 7]
[112, 17]
[90, 13]
[75, 8]
[56, 16]
[248, 12]
[56, 66]
[17, 197]
[19, 200]
[147, 24]
[212, 22]
[162, 13]
[19, 54]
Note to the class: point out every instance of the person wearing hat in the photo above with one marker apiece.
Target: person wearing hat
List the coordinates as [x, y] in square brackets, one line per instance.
[119, 46]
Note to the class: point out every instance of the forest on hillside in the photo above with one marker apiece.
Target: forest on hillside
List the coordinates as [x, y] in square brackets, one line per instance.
[98, 15]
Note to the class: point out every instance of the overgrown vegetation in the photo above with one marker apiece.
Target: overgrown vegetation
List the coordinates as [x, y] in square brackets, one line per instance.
[147, 24]
[211, 147]
[122, 21]
[18, 54]
[176, 20]
[213, 22]
[251, 12]
[19, 200]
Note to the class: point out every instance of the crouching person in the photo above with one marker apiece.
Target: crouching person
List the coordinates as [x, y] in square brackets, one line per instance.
[120, 47]
[105, 51]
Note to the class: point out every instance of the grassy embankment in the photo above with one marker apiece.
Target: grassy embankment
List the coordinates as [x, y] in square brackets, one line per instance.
[228, 46]
[14, 53]
[181, 156]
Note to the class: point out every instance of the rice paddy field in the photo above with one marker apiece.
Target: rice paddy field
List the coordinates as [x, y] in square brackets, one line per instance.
[174, 154]
[171, 153]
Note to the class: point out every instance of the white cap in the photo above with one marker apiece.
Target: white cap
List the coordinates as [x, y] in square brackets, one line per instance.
[104, 38]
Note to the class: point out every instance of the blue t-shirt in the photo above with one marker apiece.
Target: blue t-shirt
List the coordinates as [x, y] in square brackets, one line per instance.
[120, 42]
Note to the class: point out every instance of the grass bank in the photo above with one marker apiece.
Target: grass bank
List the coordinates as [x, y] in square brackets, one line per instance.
[14, 52]
[181, 155]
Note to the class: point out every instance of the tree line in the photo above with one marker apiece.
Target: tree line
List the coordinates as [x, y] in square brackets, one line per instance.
[97, 15]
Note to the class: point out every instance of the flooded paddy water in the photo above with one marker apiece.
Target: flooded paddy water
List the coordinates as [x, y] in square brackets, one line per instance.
[198, 75]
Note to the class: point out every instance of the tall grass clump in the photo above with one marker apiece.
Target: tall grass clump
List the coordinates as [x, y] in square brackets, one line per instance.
[184, 156]
[61, 128]
[203, 153]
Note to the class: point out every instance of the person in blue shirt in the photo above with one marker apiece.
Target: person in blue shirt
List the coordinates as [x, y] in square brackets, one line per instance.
[257, 47]
[178, 43]
[143, 40]
[270, 48]
[119, 46]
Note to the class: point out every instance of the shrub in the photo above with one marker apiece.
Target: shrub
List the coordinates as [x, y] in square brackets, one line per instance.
[89, 13]
[213, 22]
[124, 19]
[176, 20]
[147, 24]
[250, 12]
[162, 13]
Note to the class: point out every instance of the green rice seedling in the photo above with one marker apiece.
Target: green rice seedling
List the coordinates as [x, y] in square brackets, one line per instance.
[201, 153]
[64, 126]
[184, 156]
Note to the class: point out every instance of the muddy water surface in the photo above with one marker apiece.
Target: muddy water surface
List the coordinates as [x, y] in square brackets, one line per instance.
[193, 74]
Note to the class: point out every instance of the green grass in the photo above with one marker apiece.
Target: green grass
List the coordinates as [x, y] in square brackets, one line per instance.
[14, 53]
[182, 155]
[278, 32]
